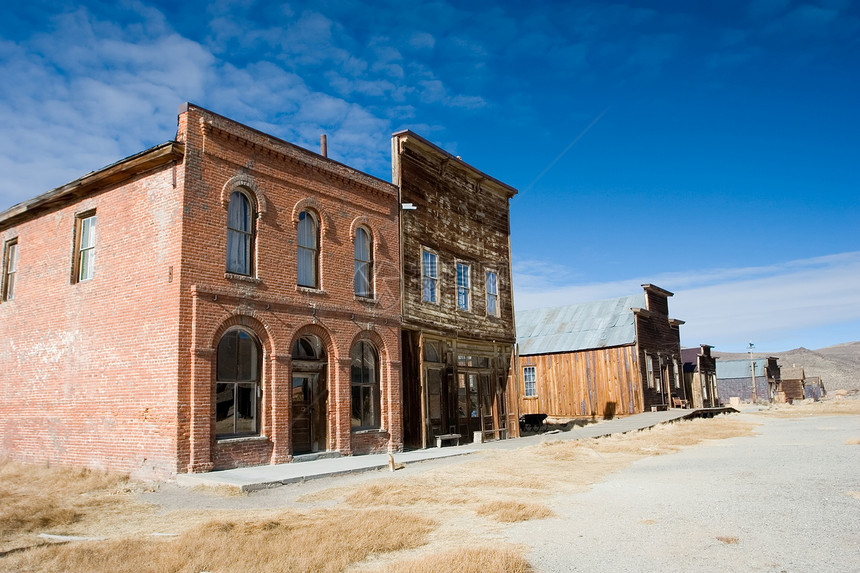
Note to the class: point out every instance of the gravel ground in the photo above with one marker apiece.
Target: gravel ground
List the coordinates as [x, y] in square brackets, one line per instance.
[785, 500]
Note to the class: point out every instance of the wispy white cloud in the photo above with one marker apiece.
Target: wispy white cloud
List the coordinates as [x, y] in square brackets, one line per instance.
[778, 305]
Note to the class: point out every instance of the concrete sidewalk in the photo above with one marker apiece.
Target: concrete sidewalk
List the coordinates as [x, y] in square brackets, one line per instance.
[261, 477]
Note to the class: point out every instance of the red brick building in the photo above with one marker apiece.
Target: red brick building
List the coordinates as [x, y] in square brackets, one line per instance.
[219, 300]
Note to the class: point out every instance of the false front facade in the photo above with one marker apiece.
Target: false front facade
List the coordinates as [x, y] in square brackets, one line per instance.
[458, 327]
[600, 359]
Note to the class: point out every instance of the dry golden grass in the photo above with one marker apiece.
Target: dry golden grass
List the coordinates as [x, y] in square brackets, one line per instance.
[845, 407]
[34, 498]
[854, 494]
[853, 442]
[319, 541]
[470, 500]
[513, 511]
[466, 560]
[728, 540]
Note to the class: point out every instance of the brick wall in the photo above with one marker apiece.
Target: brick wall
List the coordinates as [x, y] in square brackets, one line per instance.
[89, 368]
[118, 371]
[283, 180]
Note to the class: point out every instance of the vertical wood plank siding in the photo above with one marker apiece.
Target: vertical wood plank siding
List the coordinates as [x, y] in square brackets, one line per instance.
[594, 383]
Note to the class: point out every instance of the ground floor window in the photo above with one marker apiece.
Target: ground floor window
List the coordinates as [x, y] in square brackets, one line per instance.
[530, 389]
[364, 381]
[237, 386]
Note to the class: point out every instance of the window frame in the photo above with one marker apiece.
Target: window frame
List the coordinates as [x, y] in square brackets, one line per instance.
[10, 270]
[373, 387]
[84, 254]
[495, 312]
[247, 237]
[254, 383]
[313, 251]
[367, 265]
[465, 304]
[649, 370]
[432, 281]
[533, 381]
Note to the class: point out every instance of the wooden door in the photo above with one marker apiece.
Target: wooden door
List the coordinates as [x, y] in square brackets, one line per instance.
[308, 413]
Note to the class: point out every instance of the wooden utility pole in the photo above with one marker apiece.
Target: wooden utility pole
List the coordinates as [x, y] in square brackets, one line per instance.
[752, 373]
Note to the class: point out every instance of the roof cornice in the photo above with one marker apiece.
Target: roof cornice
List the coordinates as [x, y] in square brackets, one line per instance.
[118, 172]
[214, 124]
[412, 138]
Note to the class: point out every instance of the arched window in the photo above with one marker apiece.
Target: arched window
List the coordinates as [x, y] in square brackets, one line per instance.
[308, 255]
[240, 234]
[237, 387]
[363, 263]
[364, 380]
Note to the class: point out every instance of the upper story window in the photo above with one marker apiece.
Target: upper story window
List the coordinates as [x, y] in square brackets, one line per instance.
[240, 235]
[429, 277]
[529, 380]
[308, 255]
[85, 247]
[10, 269]
[363, 263]
[492, 293]
[464, 286]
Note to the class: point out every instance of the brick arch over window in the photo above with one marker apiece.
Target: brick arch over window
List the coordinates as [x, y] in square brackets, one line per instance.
[374, 338]
[365, 222]
[311, 204]
[244, 182]
[320, 332]
[249, 322]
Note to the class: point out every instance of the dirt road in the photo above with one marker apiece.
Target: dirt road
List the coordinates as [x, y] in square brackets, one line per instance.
[786, 499]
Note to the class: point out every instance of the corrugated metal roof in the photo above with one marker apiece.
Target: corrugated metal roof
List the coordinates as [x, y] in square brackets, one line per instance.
[582, 326]
[740, 368]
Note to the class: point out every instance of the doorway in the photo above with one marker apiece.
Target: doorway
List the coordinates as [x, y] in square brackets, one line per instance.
[309, 397]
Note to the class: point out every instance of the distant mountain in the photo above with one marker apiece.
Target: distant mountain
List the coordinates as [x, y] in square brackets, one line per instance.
[838, 366]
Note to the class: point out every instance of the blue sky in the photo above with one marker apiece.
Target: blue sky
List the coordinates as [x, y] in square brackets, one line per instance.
[709, 148]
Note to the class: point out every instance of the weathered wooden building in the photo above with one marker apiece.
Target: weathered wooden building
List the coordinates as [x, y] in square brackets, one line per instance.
[457, 323]
[793, 383]
[814, 388]
[603, 358]
[734, 379]
[700, 376]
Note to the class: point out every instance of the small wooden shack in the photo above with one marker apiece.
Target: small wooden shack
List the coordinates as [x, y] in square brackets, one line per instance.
[814, 388]
[700, 376]
[793, 382]
[600, 359]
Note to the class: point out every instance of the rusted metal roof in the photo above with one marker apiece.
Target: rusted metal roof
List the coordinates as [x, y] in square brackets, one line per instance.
[583, 326]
